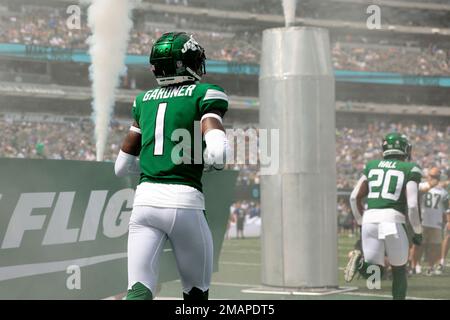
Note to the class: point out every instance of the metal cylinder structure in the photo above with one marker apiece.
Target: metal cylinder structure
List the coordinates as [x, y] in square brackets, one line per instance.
[298, 203]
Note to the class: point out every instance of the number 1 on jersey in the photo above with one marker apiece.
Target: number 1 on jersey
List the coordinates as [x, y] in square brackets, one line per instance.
[159, 129]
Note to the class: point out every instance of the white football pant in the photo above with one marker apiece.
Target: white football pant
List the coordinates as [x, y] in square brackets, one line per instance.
[375, 245]
[191, 241]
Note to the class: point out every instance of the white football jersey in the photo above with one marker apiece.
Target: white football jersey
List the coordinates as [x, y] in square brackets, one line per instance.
[434, 205]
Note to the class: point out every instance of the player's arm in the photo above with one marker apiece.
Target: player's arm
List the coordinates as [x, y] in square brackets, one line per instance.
[448, 220]
[357, 196]
[424, 187]
[127, 162]
[447, 212]
[412, 198]
[215, 139]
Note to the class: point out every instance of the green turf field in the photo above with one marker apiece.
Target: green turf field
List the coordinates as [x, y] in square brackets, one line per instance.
[239, 269]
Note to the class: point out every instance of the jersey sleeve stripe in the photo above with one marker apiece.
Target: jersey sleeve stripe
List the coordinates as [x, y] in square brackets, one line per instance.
[416, 169]
[215, 94]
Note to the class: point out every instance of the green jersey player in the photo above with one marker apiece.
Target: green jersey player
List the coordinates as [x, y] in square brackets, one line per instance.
[391, 188]
[170, 123]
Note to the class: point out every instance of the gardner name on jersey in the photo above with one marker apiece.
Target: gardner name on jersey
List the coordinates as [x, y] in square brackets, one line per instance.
[387, 181]
[161, 111]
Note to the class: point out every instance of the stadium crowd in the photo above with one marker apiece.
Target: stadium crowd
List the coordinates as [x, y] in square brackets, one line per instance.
[45, 28]
[354, 146]
[426, 61]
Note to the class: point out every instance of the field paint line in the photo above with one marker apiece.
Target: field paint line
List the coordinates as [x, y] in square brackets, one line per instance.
[228, 284]
[292, 292]
[363, 294]
[234, 242]
[238, 245]
[241, 263]
[336, 291]
[253, 290]
[250, 264]
[240, 251]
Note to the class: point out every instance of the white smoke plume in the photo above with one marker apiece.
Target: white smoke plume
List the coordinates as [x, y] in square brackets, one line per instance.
[110, 23]
[289, 11]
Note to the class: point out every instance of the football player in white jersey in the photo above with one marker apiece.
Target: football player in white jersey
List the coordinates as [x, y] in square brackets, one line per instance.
[434, 205]
[424, 187]
[446, 242]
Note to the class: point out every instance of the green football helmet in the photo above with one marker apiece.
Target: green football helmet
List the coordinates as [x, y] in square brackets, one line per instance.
[176, 58]
[396, 144]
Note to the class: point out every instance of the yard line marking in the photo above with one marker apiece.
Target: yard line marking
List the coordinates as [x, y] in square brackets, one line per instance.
[363, 294]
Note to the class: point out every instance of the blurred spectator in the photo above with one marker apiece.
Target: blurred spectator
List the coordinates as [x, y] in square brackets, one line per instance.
[240, 220]
[346, 223]
[354, 146]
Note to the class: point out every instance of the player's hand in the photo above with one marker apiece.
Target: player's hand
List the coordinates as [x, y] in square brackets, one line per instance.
[212, 162]
[433, 182]
[417, 239]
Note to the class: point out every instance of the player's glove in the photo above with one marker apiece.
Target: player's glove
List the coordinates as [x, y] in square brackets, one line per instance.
[417, 239]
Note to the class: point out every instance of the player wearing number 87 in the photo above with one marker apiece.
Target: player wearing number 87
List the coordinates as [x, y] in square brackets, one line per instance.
[434, 205]
[169, 202]
[391, 188]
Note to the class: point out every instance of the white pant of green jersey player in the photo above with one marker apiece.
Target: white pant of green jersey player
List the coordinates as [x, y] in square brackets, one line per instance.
[191, 240]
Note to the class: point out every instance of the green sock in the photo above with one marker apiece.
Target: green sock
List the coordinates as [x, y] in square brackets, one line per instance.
[399, 282]
[139, 292]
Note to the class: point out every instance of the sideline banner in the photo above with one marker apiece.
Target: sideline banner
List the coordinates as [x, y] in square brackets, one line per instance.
[64, 224]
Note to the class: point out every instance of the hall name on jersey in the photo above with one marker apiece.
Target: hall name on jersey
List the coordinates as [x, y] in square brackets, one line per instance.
[169, 92]
[387, 164]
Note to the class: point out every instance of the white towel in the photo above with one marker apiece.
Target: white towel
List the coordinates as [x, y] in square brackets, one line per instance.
[387, 229]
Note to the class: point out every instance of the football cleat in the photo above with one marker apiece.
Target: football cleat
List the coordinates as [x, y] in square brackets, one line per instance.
[418, 269]
[353, 265]
[439, 269]
[429, 272]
